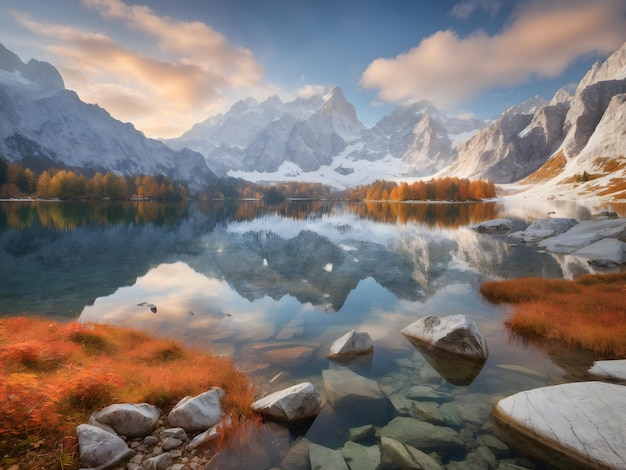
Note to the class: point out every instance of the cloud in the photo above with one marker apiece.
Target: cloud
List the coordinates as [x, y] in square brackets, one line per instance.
[164, 91]
[540, 40]
[466, 8]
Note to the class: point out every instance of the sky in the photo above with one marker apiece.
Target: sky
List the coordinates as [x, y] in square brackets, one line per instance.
[165, 65]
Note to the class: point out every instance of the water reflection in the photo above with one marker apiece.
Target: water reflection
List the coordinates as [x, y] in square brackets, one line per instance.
[274, 286]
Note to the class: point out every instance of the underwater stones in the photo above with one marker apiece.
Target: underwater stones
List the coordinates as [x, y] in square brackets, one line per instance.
[453, 333]
[128, 419]
[295, 403]
[406, 456]
[360, 456]
[362, 433]
[582, 422]
[197, 413]
[99, 448]
[421, 435]
[323, 458]
[352, 343]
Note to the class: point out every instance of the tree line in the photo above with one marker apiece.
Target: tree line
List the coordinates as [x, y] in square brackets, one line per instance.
[437, 189]
[18, 182]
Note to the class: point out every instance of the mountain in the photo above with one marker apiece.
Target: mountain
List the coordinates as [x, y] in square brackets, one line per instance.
[44, 125]
[254, 136]
[551, 145]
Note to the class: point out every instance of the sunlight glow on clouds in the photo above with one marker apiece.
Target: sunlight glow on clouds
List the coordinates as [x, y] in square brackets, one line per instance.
[541, 39]
[180, 83]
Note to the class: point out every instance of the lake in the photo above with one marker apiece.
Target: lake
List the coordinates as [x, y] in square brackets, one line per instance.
[273, 286]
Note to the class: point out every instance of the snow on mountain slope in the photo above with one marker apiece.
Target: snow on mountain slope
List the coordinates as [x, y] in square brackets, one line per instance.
[44, 125]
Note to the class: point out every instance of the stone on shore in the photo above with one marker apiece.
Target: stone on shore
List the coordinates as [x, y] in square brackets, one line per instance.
[128, 419]
[453, 333]
[99, 448]
[492, 226]
[295, 403]
[352, 343]
[198, 413]
[615, 369]
[541, 229]
[585, 233]
[608, 252]
[584, 422]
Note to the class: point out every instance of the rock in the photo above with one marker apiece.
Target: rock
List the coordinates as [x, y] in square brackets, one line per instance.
[585, 233]
[298, 456]
[197, 413]
[204, 437]
[99, 448]
[492, 226]
[360, 397]
[541, 229]
[615, 369]
[352, 343]
[454, 333]
[407, 457]
[499, 448]
[177, 433]
[608, 252]
[323, 458]
[427, 411]
[296, 403]
[421, 435]
[130, 420]
[361, 457]
[582, 422]
[362, 433]
[160, 462]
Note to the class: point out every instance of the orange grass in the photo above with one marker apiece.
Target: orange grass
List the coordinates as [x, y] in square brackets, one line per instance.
[53, 376]
[589, 312]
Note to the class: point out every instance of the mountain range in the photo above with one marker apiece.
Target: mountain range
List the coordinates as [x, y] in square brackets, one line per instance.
[543, 147]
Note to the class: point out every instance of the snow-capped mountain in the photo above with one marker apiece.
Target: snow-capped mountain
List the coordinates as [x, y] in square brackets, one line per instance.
[261, 136]
[43, 125]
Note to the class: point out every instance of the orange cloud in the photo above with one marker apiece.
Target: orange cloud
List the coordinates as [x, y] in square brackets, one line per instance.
[164, 93]
[542, 38]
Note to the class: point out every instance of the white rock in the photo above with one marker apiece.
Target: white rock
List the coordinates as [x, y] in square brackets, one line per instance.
[608, 250]
[544, 228]
[197, 413]
[294, 403]
[207, 436]
[454, 333]
[583, 234]
[610, 369]
[128, 419]
[585, 421]
[353, 342]
[99, 448]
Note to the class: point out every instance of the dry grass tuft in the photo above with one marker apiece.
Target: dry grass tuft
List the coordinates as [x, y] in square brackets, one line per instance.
[551, 169]
[589, 312]
[52, 377]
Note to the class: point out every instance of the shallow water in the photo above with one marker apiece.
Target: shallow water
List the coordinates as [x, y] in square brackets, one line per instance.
[274, 286]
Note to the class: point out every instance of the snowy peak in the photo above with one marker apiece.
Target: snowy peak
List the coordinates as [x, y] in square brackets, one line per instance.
[39, 73]
[613, 68]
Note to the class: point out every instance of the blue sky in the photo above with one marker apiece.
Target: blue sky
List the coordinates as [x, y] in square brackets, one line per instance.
[165, 65]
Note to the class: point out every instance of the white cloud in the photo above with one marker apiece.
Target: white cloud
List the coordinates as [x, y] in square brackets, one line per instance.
[163, 92]
[541, 39]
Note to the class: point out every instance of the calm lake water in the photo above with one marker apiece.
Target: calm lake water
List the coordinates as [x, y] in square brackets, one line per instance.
[274, 286]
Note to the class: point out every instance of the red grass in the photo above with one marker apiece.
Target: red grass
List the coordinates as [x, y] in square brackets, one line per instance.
[589, 312]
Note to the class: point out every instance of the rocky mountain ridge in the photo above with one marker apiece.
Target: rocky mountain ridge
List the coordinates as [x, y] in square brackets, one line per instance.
[44, 125]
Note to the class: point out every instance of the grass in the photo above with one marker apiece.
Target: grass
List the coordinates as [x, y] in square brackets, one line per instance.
[588, 313]
[53, 376]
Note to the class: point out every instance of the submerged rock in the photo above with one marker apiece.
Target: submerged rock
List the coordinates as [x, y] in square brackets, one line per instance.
[406, 456]
[454, 333]
[324, 458]
[583, 423]
[421, 435]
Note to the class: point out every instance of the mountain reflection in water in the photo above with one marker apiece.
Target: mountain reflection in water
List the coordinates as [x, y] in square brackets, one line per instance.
[274, 286]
